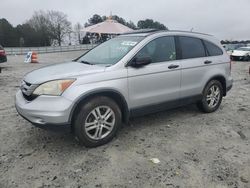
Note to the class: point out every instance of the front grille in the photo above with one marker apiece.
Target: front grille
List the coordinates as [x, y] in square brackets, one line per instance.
[27, 90]
[30, 98]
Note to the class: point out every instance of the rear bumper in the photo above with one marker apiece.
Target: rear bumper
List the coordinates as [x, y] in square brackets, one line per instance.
[229, 84]
[45, 111]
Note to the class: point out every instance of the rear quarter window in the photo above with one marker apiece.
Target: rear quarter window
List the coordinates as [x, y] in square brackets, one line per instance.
[212, 49]
[191, 47]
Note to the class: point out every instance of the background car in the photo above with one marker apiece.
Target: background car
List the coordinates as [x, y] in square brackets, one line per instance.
[242, 53]
[231, 47]
[3, 57]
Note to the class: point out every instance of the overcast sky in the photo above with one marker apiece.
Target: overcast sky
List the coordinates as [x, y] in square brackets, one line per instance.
[226, 19]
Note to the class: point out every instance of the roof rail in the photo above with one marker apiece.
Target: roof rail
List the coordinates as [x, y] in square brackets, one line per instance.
[141, 31]
[189, 32]
[158, 30]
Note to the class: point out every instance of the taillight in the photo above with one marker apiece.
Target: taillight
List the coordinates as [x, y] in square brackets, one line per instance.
[230, 65]
[2, 52]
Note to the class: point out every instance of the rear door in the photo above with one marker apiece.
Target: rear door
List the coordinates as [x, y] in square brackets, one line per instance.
[194, 63]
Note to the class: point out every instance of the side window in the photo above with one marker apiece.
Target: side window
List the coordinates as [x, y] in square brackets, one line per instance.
[212, 49]
[191, 47]
[159, 50]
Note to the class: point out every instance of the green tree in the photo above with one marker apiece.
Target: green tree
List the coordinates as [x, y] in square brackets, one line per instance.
[119, 19]
[122, 21]
[95, 19]
[131, 25]
[151, 24]
[104, 18]
[8, 35]
[29, 36]
[26, 35]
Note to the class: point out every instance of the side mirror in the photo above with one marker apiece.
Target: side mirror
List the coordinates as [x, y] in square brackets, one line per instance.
[141, 61]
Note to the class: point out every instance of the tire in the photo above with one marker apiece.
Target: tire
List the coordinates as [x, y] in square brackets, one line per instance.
[247, 58]
[90, 127]
[233, 58]
[211, 101]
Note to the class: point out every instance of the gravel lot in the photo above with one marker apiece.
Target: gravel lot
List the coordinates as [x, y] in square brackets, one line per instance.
[194, 149]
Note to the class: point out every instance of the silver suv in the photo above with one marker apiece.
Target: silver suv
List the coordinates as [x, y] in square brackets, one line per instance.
[130, 75]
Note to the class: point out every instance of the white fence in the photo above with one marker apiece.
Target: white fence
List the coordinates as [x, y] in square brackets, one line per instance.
[47, 49]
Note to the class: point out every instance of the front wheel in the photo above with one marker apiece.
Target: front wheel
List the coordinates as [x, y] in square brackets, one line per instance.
[97, 121]
[212, 97]
[247, 58]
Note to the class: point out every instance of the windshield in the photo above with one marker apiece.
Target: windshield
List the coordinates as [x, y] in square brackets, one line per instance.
[244, 49]
[110, 52]
[233, 46]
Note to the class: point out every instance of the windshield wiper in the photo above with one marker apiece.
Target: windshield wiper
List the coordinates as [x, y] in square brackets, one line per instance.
[86, 62]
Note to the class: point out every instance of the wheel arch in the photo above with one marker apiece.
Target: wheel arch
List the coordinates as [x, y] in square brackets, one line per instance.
[113, 94]
[222, 80]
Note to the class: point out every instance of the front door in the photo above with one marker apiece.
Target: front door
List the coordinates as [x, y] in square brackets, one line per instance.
[158, 82]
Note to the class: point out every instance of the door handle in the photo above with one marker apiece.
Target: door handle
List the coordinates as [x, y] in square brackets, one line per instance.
[173, 66]
[207, 62]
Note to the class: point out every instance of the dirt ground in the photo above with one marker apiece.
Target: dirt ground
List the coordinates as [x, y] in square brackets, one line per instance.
[194, 149]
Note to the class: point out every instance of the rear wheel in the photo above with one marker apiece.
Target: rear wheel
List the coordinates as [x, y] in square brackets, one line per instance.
[212, 97]
[97, 121]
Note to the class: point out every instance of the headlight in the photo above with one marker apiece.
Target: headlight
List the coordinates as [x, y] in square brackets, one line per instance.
[55, 87]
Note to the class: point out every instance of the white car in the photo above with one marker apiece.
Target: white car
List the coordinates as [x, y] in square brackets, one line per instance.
[242, 53]
[231, 47]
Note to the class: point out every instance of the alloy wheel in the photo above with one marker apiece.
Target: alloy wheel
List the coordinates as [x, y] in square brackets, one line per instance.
[213, 96]
[100, 122]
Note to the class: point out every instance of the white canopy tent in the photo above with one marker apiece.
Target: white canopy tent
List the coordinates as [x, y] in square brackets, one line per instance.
[107, 27]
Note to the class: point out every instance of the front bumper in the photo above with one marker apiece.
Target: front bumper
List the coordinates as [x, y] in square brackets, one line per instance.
[45, 111]
[238, 58]
[3, 59]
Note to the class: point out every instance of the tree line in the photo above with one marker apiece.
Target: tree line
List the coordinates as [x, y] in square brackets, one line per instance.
[42, 29]
[235, 42]
[46, 28]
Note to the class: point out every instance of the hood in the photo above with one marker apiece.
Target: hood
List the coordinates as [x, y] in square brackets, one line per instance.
[240, 53]
[61, 71]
